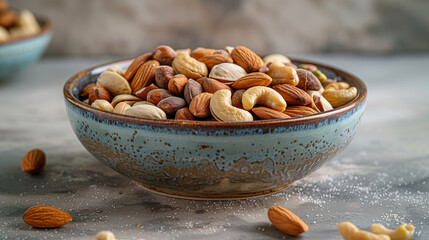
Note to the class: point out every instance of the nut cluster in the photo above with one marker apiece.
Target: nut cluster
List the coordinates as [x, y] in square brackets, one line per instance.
[15, 25]
[228, 85]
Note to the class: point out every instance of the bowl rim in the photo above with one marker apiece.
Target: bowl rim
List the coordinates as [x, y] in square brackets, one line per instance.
[45, 27]
[335, 113]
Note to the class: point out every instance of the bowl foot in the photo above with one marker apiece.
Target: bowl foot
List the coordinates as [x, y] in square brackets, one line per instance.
[207, 196]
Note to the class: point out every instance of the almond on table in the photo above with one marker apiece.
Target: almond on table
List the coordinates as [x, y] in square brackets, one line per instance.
[272, 87]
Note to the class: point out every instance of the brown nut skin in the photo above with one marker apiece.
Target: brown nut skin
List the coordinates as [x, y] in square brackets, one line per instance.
[252, 80]
[156, 95]
[142, 93]
[85, 92]
[8, 18]
[46, 217]
[163, 75]
[99, 92]
[307, 80]
[171, 105]
[135, 65]
[297, 111]
[293, 95]
[177, 84]
[212, 60]
[192, 89]
[200, 105]
[212, 86]
[286, 221]
[265, 113]
[247, 59]
[33, 161]
[236, 98]
[184, 114]
[202, 52]
[144, 76]
[4, 5]
[164, 55]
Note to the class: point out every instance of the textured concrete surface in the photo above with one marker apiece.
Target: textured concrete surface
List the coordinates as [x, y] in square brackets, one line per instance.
[383, 175]
[128, 27]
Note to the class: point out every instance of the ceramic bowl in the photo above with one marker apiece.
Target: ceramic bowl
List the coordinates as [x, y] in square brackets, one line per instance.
[17, 54]
[213, 160]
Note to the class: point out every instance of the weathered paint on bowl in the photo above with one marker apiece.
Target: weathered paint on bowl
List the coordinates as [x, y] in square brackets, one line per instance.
[213, 160]
[17, 54]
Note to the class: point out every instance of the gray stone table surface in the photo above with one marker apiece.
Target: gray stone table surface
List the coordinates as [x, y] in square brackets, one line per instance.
[382, 176]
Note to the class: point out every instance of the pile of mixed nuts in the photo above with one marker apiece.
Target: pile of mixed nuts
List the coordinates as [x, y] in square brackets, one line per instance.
[16, 25]
[228, 85]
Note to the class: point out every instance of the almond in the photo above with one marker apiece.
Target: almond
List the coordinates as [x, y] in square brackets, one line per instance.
[202, 52]
[212, 86]
[135, 65]
[157, 95]
[286, 221]
[164, 54]
[236, 98]
[171, 105]
[99, 92]
[33, 161]
[251, 80]
[212, 60]
[307, 80]
[142, 93]
[268, 113]
[200, 105]
[247, 59]
[192, 89]
[293, 95]
[177, 84]
[297, 111]
[144, 76]
[46, 217]
[184, 114]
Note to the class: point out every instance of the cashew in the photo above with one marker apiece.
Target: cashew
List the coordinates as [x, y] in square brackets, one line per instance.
[4, 34]
[272, 58]
[105, 235]
[115, 83]
[339, 97]
[222, 109]
[263, 96]
[146, 111]
[337, 86]
[403, 232]
[102, 104]
[350, 232]
[319, 103]
[282, 74]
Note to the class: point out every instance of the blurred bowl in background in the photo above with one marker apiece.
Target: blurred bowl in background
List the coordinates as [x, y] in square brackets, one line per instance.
[18, 53]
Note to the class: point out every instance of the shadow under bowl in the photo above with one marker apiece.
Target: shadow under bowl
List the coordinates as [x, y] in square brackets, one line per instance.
[213, 160]
[17, 54]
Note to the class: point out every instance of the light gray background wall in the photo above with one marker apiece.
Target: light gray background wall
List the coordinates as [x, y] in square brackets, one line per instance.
[129, 27]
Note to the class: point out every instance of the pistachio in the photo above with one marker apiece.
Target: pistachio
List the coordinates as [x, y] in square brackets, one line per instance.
[146, 111]
[227, 72]
[114, 83]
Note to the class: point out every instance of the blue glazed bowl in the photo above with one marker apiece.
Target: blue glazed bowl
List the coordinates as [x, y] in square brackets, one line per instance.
[17, 54]
[213, 160]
